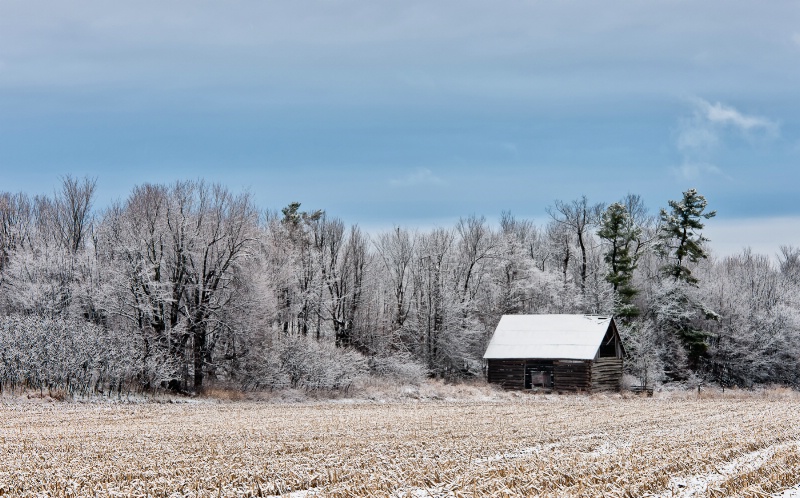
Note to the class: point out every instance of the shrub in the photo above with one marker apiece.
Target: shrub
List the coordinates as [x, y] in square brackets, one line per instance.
[301, 362]
[400, 367]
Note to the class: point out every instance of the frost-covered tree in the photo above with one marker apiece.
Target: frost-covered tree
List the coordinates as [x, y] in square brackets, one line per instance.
[477, 247]
[578, 217]
[619, 233]
[184, 284]
[758, 338]
[16, 219]
[344, 257]
[47, 265]
[72, 211]
[646, 351]
[681, 313]
[518, 241]
[395, 251]
[677, 305]
[179, 250]
[680, 240]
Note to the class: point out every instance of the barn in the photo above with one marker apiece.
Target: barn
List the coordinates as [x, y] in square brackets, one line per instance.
[578, 353]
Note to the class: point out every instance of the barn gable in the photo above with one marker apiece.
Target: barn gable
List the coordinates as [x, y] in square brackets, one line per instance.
[555, 352]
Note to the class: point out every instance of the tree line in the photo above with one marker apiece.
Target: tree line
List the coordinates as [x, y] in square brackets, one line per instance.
[189, 283]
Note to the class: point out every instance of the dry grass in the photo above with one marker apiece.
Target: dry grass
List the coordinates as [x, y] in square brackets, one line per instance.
[532, 445]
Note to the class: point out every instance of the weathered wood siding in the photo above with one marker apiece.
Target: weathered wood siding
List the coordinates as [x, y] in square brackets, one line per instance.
[515, 374]
[510, 374]
[607, 374]
[572, 375]
[602, 374]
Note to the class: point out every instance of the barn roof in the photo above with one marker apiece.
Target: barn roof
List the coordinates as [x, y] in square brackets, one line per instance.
[574, 337]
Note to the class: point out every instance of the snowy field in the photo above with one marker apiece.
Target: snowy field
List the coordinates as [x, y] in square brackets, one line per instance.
[677, 445]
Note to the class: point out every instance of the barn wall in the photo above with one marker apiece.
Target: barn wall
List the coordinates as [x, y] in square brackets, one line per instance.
[607, 374]
[603, 374]
[572, 375]
[510, 374]
[514, 374]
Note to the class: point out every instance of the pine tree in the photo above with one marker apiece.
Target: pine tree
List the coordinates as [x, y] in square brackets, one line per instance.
[681, 243]
[680, 240]
[618, 230]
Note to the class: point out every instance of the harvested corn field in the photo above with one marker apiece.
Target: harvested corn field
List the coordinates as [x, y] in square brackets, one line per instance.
[535, 445]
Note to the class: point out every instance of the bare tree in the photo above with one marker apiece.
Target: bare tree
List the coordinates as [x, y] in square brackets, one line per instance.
[180, 248]
[517, 240]
[431, 296]
[16, 218]
[642, 222]
[46, 268]
[560, 240]
[220, 233]
[396, 252]
[789, 263]
[476, 246]
[579, 217]
[343, 274]
[72, 211]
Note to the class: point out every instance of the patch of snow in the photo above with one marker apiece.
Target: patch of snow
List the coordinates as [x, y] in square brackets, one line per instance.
[531, 450]
[607, 448]
[789, 493]
[303, 493]
[698, 484]
[685, 487]
[434, 492]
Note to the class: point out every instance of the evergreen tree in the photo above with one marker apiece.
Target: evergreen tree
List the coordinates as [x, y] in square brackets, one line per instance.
[618, 230]
[680, 240]
[681, 243]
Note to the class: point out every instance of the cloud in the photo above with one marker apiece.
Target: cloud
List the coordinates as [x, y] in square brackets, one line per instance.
[710, 124]
[709, 128]
[420, 176]
[796, 39]
[694, 170]
[721, 114]
[696, 136]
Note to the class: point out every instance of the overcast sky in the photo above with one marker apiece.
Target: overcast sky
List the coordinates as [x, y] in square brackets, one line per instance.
[415, 112]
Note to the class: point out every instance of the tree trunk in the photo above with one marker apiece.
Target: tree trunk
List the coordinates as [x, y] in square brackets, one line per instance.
[198, 355]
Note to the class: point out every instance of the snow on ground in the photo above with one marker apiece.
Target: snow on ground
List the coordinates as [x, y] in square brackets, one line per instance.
[303, 493]
[698, 484]
[789, 493]
[679, 487]
[531, 450]
[606, 448]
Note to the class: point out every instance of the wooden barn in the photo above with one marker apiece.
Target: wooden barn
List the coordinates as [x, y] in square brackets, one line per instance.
[580, 353]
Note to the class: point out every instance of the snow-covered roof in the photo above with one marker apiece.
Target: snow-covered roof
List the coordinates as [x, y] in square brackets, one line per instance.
[568, 337]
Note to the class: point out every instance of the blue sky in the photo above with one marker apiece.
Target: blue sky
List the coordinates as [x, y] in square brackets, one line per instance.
[415, 112]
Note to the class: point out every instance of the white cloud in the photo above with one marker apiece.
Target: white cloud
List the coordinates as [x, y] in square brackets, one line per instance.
[718, 113]
[420, 176]
[694, 170]
[695, 136]
[796, 39]
[708, 128]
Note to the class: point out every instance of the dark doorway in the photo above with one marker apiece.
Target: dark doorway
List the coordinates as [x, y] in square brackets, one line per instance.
[538, 377]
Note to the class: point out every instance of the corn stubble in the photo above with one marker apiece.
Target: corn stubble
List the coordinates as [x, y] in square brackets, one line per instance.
[545, 446]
